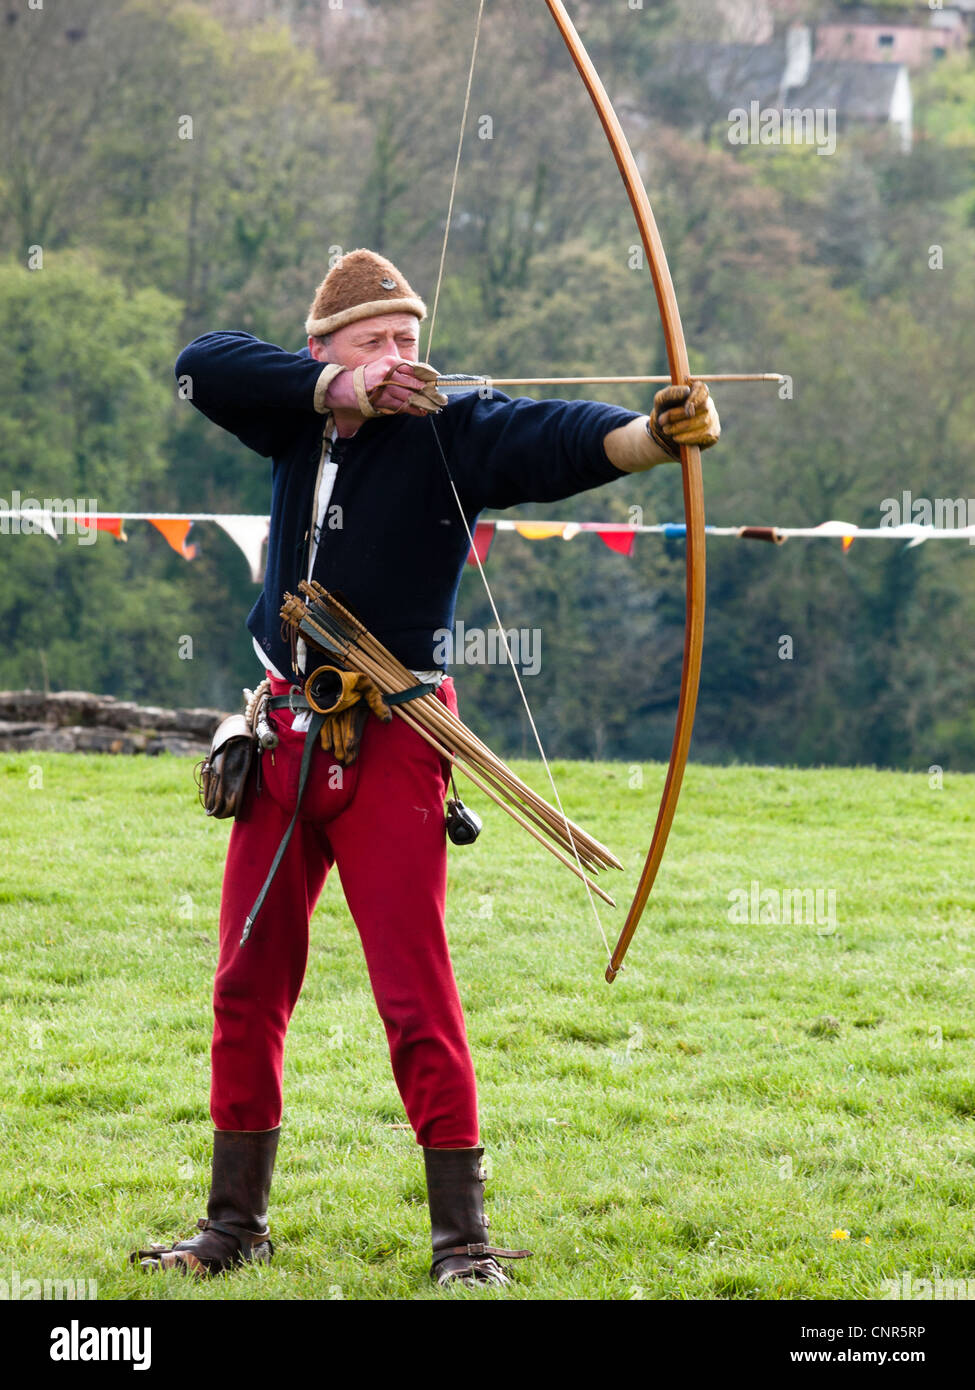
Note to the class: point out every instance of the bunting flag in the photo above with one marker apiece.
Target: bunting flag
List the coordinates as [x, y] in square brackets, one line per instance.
[250, 533]
[111, 524]
[540, 530]
[762, 533]
[31, 517]
[618, 538]
[176, 533]
[483, 538]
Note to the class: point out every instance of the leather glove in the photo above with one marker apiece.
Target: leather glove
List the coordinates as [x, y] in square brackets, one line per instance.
[428, 400]
[684, 415]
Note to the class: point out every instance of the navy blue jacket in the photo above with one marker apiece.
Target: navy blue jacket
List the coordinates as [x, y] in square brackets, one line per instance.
[400, 552]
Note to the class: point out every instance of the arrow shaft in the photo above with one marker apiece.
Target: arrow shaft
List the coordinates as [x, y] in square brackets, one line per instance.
[601, 380]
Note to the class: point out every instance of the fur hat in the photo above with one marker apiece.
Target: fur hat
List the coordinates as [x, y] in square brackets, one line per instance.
[360, 285]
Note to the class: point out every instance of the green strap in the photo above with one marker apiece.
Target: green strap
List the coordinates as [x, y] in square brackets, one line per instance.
[314, 729]
[400, 697]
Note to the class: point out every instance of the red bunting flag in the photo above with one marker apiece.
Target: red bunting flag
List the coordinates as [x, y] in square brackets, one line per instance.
[620, 541]
[111, 524]
[483, 537]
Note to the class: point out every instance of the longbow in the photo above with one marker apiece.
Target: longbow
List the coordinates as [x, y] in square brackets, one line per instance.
[690, 458]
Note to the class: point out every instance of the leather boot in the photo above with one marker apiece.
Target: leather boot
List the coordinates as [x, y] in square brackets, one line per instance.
[235, 1230]
[455, 1191]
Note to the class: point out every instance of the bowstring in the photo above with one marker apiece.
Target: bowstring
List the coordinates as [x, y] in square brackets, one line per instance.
[524, 698]
[463, 515]
[453, 185]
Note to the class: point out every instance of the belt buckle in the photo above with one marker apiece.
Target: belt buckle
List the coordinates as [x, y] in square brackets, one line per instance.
[292, 692]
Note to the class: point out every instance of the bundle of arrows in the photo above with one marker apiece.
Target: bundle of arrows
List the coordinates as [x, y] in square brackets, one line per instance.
[326, 624]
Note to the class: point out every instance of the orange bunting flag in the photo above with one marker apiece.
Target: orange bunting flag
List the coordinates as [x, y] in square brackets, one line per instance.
[847, 542]
[483, 536]
[176, 533]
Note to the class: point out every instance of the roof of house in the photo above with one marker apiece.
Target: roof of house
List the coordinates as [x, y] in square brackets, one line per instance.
[862, 91]
[739, 73]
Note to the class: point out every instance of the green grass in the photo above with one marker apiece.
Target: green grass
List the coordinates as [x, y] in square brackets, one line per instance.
[696, 1131]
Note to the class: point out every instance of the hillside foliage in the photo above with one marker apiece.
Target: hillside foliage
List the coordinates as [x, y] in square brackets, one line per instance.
[850, 273]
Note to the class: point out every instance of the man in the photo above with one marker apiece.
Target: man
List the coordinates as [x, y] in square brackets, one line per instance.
[361, 499]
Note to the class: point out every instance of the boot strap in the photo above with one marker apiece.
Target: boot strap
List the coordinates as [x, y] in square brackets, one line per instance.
[477, 1251]
[246, 1239]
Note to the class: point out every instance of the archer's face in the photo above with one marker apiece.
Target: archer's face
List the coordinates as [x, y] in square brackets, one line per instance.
[384, 335]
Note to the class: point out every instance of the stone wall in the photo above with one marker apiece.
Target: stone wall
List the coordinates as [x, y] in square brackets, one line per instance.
[74, 721]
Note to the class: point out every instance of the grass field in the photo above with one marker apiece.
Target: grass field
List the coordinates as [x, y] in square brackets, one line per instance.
[757, 1109]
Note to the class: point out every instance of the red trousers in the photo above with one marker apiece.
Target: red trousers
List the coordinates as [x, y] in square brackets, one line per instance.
[382, 822]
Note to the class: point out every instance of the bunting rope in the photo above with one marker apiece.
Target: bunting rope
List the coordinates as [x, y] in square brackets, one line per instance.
[250, 532]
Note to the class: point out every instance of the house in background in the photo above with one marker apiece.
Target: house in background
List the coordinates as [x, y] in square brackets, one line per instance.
[914, 39]
[783, 75]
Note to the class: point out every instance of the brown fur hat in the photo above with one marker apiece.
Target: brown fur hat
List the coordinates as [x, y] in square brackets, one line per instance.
[360, 285]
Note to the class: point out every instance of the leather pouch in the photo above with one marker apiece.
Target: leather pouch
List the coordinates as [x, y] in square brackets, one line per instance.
[222, 776]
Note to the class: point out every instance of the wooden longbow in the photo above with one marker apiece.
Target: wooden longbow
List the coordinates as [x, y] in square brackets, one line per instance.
[690, 457]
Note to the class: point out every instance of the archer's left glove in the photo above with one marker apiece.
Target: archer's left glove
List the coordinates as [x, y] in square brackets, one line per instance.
[684, 415]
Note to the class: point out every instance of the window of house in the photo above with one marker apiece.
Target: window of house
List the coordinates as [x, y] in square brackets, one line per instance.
[938, 51]
[885, 40]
